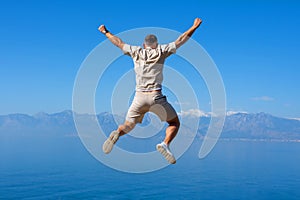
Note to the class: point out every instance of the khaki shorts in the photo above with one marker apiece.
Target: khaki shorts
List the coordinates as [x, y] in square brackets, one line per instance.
[155, 102]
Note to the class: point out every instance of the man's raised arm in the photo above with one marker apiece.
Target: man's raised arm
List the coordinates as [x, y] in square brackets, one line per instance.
[114, 39]
[185, 36]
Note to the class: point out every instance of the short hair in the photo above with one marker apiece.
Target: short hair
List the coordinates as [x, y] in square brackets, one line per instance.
[150, 40]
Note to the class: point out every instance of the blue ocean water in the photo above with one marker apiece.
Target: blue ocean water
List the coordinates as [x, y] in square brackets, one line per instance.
[233, 170]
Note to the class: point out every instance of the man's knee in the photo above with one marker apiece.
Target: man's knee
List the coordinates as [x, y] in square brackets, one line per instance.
[174, 122]
[130, 125]
[126, 127]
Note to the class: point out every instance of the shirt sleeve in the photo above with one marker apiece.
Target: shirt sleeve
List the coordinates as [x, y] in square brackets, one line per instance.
[130, 50]
[168, 49]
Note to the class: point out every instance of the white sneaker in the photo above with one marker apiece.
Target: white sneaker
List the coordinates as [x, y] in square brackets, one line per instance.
[109, 143]
[165, 151]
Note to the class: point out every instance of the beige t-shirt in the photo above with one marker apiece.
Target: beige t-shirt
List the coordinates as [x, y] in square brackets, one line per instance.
[148, 64]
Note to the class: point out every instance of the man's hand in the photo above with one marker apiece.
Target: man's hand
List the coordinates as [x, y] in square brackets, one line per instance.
[102, 29]
[197, 22]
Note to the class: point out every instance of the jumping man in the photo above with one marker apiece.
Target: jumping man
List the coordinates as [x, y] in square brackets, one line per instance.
[148, 67]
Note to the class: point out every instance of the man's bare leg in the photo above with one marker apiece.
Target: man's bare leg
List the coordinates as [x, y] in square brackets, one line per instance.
[114, 136]
[171, 132]
[125, 128]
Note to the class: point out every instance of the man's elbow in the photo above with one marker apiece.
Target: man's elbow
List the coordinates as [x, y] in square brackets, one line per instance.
[178, 44]
[121, 45]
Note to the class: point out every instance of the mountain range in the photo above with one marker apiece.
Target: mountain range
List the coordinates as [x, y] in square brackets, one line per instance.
[260, 126]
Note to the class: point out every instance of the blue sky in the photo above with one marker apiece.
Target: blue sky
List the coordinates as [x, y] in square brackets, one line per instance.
[255, 45]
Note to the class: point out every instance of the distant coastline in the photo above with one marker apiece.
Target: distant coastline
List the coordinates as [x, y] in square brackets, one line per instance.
[259, 127]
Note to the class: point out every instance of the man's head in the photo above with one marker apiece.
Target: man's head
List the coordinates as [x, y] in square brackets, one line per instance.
[150, 41]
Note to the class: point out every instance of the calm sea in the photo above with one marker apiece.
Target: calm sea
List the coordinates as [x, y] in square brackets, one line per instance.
[233, 170]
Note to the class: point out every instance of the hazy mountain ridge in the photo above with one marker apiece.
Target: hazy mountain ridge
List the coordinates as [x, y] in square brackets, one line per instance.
[261, 126]
[239, 125]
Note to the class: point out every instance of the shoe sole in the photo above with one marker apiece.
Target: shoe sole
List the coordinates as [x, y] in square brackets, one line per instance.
[169, 157]
[109, 143]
